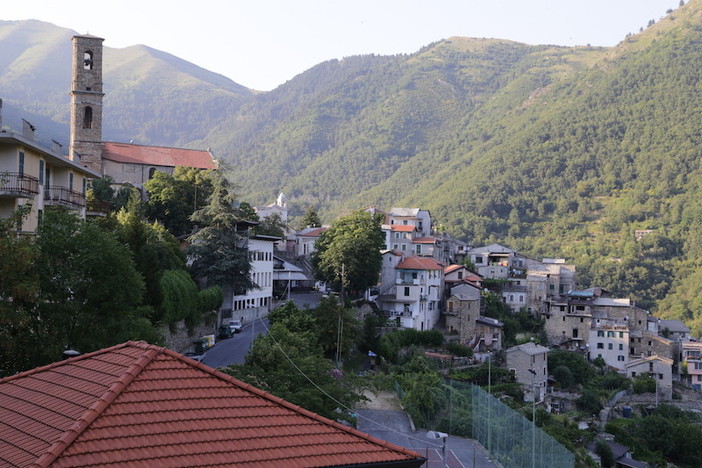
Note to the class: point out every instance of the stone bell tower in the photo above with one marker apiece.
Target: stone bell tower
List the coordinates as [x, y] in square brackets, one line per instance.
[85, 145]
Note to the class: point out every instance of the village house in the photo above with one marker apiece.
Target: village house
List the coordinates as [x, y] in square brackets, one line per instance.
[691, 369]
[659, 368]
[36, 177]
[546, 280]
[305, 240]
[529, 363]
[279, 207]
[256, 302]
[609, 340]
[488, 335]
[462, 310]
[136, 404]
[417, 293]
[497, 262]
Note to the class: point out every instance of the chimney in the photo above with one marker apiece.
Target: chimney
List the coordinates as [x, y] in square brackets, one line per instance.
[28, 130]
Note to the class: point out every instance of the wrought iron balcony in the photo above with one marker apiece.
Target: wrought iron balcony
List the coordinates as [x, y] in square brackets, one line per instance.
[62, 196]
[14, 184]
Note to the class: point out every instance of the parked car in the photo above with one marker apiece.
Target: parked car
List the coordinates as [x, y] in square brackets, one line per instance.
[235, 325]
[224, 332]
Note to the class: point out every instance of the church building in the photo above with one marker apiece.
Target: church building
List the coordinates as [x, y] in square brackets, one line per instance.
[125, 163]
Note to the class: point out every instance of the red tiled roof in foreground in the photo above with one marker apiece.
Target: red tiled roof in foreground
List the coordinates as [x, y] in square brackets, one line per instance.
[420, 263]
[141, 405]
[157, 155]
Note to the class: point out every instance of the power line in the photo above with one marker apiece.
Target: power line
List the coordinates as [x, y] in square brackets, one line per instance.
[334, 399]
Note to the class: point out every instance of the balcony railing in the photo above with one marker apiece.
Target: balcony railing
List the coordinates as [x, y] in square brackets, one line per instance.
[14, 184]
[64, 197]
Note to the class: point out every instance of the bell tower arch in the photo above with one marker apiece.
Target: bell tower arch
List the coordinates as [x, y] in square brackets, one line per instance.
[85, 144]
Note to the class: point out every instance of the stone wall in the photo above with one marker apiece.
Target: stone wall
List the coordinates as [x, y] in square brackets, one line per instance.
[180, 339]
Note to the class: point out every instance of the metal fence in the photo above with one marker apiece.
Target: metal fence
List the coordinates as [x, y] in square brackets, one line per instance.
[511, 438]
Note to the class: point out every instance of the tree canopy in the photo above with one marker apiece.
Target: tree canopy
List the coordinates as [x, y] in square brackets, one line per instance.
[348, 253]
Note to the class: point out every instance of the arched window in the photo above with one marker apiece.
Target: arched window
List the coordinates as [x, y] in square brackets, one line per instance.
[88, 117]
[87, 60]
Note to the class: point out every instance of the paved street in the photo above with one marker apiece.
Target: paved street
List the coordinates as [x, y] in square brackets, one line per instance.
[233, 350]
[394, 427]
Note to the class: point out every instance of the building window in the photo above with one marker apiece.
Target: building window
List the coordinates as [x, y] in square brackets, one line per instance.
[600, 345]
[407, 291]
[600, 333]
[21, 163]
[620, 358]
[450, 306]
[460, 275]
[88, 117]
[478, 260]
[41, 171]
[70, 181]
[87, 60]
[575, 332]
[621, 334]
[621, 347]
[609, 345]
[419, 249]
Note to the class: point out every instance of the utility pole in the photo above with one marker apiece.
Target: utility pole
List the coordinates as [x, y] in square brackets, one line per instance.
[533, 417]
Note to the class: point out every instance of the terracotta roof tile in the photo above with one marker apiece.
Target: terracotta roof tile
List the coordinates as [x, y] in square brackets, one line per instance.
[424, 240]
[420, 263]
[157, 155]
[144, 406]
[401, 228]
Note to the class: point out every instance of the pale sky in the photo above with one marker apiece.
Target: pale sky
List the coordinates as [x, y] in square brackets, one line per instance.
[263, 43]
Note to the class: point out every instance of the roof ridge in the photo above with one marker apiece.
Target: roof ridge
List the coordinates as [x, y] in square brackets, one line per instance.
[108, 396]
[65, 361]
[155, 146]
[278, 400]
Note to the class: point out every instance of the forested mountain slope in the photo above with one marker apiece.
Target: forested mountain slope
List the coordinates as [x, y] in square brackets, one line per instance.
[556, 151]
[151, 97]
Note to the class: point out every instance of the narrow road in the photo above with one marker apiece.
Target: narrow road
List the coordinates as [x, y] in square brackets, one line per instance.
[233, 350]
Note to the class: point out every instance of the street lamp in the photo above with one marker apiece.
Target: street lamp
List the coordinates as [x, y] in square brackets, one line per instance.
[439, 435]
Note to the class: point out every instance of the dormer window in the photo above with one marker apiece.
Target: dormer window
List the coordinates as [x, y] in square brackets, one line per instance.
[88, 60]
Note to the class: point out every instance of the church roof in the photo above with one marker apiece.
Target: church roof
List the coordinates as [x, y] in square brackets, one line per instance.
[130, 153]
[141, 405]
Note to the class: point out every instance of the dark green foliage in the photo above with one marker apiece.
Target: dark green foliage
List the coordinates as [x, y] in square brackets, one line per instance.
[392, 343]
[668, 433]
[337, 327]
[644, 384]
[18, 291]
[589, 402]
[484, 374]
[210, 299]
[348, 253]
[180, 298]
[369, 339]
[90, 291]
[289, 362]
[564, 376]
[605, 452]
[173, 198]
[218, 251]
[310, 219]
[458, 349]
[271, 225]
[581, 371]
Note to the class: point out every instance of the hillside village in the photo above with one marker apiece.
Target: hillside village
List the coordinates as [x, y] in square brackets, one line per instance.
[428, 279]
